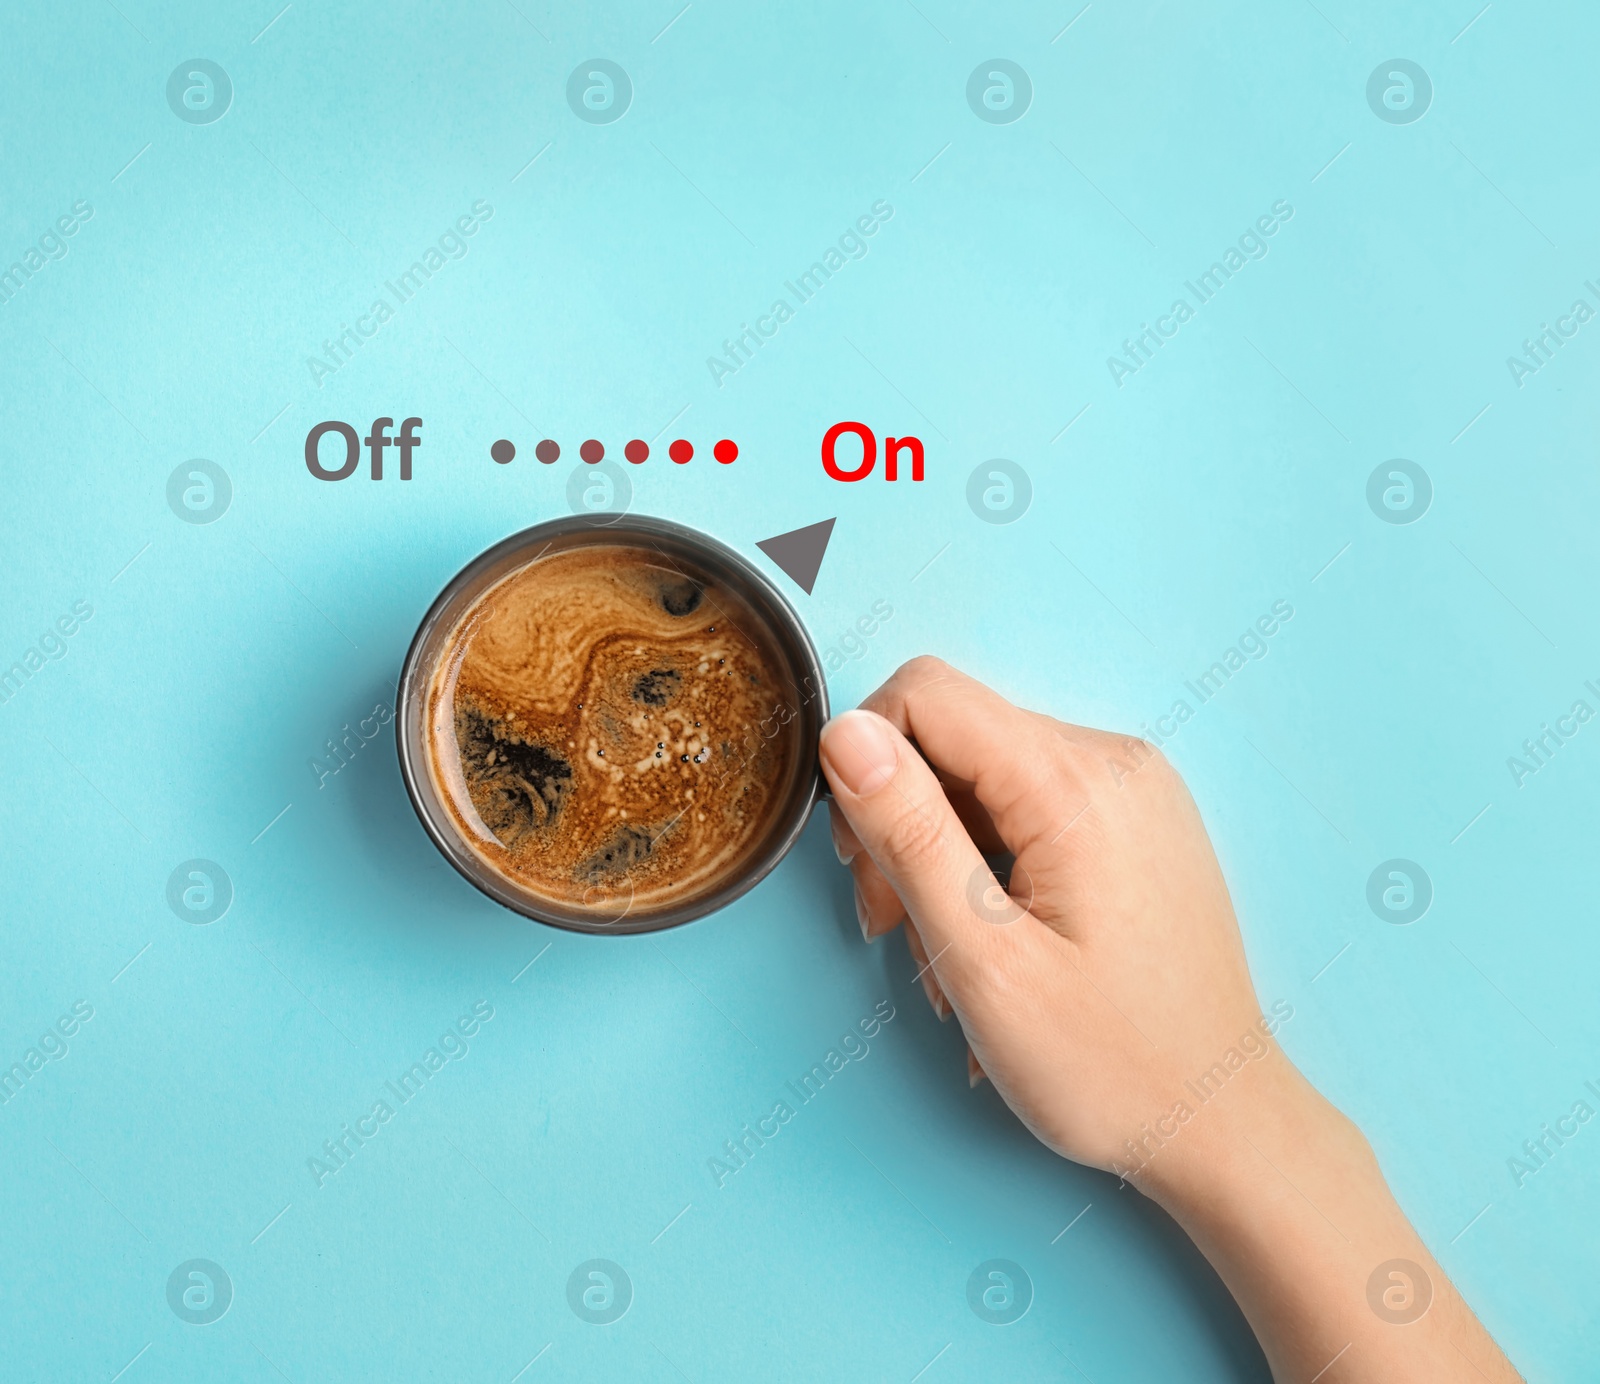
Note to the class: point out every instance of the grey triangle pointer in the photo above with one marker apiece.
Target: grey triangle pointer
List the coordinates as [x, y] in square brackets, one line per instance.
[799, 552]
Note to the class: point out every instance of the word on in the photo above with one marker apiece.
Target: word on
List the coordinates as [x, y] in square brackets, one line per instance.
[593, 450]
[376, 441]
[892, 447]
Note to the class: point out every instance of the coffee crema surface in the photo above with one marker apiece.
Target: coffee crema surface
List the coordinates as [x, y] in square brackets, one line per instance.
[609, 730]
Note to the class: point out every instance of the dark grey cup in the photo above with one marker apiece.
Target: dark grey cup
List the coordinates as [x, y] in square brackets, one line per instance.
[679, 546]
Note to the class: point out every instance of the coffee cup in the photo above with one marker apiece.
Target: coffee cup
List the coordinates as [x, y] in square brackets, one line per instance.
[609, 723]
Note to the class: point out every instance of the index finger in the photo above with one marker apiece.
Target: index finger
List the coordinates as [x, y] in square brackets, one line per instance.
[1015, 760]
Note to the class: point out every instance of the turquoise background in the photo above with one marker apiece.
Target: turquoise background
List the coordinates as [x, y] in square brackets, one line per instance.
[1228, 473]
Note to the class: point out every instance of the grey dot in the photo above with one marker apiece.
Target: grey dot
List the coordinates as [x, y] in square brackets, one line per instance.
[503, 451]
[199, 91]
[199, 1291]
[599, 91]
[199, 891]
[199, 491]
[999, 91]
[1399, 91]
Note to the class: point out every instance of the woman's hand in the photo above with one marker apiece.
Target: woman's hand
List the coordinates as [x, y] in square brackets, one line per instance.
[1106, 995]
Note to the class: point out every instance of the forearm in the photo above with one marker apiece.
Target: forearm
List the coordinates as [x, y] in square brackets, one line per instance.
[1284, 1197]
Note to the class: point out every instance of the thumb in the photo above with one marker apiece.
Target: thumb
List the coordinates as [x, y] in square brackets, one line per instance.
[900, 814]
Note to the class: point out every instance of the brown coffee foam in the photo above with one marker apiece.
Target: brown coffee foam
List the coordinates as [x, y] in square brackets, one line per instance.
[614, 648]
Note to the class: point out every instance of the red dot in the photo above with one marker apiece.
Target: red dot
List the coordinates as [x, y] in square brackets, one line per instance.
[726, 451]
[591, 451]
[680, 451]
[636, 451]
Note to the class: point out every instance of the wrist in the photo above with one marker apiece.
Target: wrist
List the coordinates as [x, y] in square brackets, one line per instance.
[1285, 1198]
[1270, 1117]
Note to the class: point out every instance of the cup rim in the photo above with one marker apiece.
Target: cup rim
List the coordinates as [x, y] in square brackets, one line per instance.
[411, 728]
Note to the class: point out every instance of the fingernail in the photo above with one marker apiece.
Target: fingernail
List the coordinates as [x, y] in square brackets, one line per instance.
[930, 988]
[860, 749]
[975, 1073]
[843, 847]
[861, 915]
